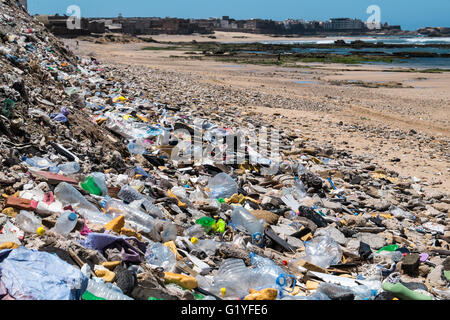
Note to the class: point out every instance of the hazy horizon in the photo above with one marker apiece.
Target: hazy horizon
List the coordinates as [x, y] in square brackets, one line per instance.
[410, 14]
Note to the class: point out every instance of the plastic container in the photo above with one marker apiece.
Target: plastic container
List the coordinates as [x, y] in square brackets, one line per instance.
[169, 232]
[242, 217]
[269, 275]
[323, 251]
[90, 186]
[29, 222]
[136, 218]
[106, 291]
[129, 194]
[69, 167]
[194, 231]
[65, 223]
[159, 255]
[233, 279]
[68, 195]
[136, 148]
[38, 162]
[222, 186]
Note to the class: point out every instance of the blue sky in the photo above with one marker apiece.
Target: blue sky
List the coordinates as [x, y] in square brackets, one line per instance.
[410, 14]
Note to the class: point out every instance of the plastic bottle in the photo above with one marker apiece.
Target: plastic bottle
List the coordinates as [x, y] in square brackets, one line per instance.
[136, 148]
[159, 255]
[135, 217]
[29, 222]
[38, 162]
[233, 279]
[323, 251]
[242, 217]
[129, 194]
[270, 275]
[107, 291]
[69, 167]
[90, 186]
[222, 186]
[100, 181]
[65, 223]
[194, 231]
[208, 246]
[169, 232]
[68, 195]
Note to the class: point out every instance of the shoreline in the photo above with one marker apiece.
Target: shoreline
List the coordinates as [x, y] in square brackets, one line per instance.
[375, 121]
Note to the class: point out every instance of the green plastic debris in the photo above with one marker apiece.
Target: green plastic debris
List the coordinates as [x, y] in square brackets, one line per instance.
[403, 293]
[221, 200]
[90, 186]
[153, 298]
[198, 296]
[220, 226]
[7, 107]
[391, 248]
[207, 223]
[447, 275]
[89, 296]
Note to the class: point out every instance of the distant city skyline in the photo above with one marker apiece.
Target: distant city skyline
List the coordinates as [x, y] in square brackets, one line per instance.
[410, 14]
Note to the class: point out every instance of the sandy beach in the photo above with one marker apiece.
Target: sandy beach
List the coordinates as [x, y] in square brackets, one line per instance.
[403, 128]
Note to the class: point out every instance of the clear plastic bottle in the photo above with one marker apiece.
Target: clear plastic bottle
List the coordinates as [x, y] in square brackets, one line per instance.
[68, 195]
[107, 291]
[222, 186]
[159, 255]
[242, 217]
[194, 231]
[69, 167]
[233, 279]
[135, 217]
[269, 275]
[28, 222]
[65, 223]
[129, 194]
[100, 181]
[136, 148]
[169, 232]
[38, 162]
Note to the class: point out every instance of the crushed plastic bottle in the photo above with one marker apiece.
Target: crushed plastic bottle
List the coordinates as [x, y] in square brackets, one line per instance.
[222, 186]
[159, 255]
[208, 246]
[323, 251]
[29, 222]
[69, 167]
[104, 291]
[241, 217]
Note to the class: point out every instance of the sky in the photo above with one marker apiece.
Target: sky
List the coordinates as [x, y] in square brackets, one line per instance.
[410, 14]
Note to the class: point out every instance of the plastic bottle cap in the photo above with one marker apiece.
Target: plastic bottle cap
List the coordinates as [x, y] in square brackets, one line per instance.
[40, 231]
[194, 240]
[223, 291]
[72, 216]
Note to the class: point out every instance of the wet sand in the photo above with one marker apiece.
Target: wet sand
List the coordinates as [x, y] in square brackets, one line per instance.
[411, 123]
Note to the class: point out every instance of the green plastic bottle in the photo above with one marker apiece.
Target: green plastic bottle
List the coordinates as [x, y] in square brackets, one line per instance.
[90, 186]
[391, 248]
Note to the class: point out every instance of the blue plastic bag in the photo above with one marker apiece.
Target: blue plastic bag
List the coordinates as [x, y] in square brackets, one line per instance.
[36, 275]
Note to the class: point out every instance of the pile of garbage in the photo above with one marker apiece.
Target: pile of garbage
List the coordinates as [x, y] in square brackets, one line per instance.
[97, 207]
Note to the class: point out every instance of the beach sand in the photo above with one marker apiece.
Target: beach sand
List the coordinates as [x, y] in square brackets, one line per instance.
[377, 122]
